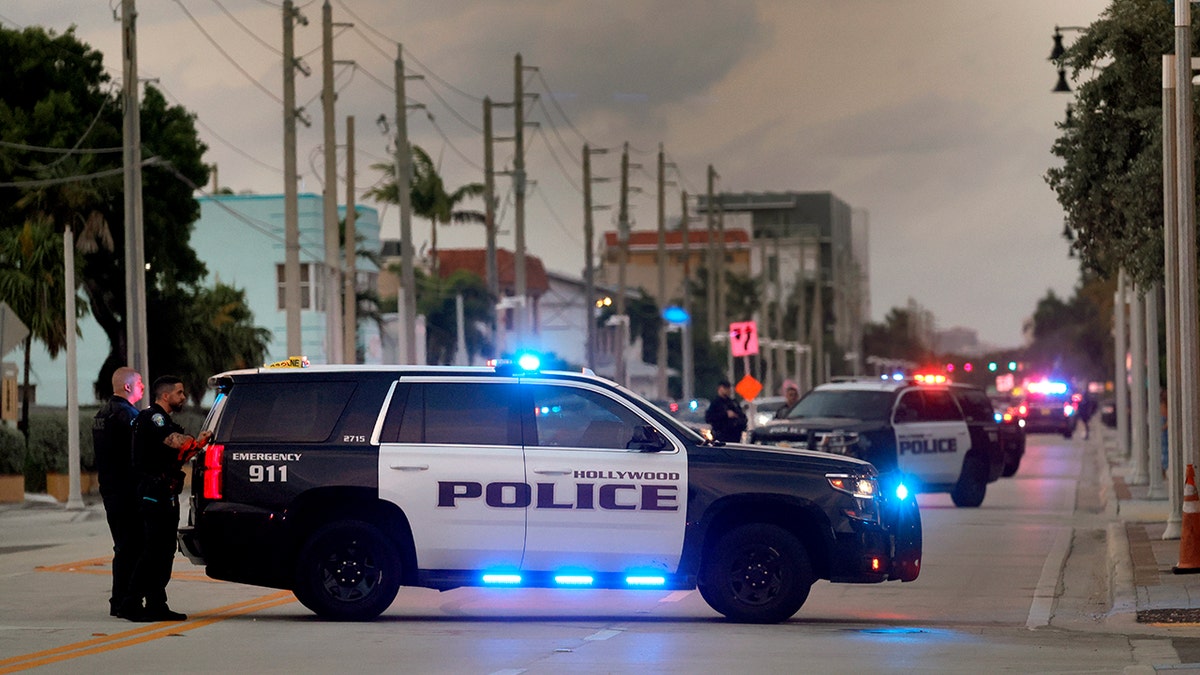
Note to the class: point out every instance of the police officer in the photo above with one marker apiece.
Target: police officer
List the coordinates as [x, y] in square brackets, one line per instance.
[112, 433]
[725, 416]
[160, 447]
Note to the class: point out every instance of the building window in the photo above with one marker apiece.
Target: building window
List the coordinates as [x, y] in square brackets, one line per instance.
[312, 288]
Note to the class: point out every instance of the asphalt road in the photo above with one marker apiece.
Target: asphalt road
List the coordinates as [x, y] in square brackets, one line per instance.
[992, 596]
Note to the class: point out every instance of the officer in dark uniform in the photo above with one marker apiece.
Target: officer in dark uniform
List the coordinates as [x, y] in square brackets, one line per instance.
[112, 434]
[725, 416]
[160, 447]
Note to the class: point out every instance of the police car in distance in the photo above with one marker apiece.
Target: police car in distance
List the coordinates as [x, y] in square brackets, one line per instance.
[343, 483]
[912, 430]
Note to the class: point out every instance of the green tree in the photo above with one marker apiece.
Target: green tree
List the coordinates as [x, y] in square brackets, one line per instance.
[221, 335]
[897, 337]
[1110, 179]
[437, 301]
[56, 102]
[32, 283]
[1072, 337]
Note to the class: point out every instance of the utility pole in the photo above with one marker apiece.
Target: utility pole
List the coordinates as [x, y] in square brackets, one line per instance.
[711, 256]
[1171, 240]
[519, 199]
[291, 219]
[589, 266]
[408, 295]
[350, 305]
[722, 308]
[333, 284]
[1185, 192]
[622, 259]
[489, 198]
[137, 344]
[688, 368]
[662, 276]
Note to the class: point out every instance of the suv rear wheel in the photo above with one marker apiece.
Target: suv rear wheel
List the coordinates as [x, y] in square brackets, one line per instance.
[972, 484]
[756, 573]
[348, 570]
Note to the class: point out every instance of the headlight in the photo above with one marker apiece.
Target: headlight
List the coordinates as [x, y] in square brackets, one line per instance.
[862, 487]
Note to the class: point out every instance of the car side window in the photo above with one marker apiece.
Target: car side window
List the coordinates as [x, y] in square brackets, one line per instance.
[303, 412]
[570, 417]
[910, 408]
[458, 413]
[940, 406]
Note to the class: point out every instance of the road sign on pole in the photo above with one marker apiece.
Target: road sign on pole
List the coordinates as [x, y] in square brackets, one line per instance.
[743, 338]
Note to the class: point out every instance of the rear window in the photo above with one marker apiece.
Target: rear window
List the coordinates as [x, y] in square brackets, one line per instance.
[302, 412]
[859, 405]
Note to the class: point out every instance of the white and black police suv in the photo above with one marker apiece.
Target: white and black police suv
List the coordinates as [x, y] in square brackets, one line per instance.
[915, 433]
[343, 483]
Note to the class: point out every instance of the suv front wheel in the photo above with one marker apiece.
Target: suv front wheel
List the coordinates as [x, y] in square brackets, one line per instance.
[347, 571]
[756, 573]
[972, 484]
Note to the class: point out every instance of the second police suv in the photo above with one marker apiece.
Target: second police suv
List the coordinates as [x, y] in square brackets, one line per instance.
[344, 483]
[928, 435]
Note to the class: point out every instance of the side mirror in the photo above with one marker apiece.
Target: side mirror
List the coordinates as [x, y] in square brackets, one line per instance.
[647, 439]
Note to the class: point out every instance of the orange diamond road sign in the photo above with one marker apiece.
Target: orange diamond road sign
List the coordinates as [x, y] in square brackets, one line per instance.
[748, 388]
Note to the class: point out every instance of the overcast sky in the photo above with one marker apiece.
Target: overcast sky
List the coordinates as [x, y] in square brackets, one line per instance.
[934, 116]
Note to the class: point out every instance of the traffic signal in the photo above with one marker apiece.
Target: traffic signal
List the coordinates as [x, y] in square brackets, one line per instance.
[992, 366]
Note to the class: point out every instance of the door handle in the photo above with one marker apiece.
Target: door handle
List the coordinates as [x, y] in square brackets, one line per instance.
[553, 472]
[409, 467]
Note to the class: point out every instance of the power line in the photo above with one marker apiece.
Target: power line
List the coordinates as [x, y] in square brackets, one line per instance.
[559, 108]
[553, 155]
[553, 127]
[47, 182]
[229, 58]
[222, 139]
[561, 225]
[453, 147]
[249, 32]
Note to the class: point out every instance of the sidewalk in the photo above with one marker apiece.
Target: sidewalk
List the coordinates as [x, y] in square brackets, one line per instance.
[1140, 560]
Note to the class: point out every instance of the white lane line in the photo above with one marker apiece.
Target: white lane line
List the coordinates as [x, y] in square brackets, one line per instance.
[1042, 607]
[603, 634]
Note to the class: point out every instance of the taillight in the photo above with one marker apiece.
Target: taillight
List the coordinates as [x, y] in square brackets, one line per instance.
[214, 462]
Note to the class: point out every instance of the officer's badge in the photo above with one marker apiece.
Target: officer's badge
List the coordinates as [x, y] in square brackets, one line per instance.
[158, 419]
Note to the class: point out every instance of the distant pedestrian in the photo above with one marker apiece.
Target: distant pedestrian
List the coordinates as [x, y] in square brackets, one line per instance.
[791, 396]
[160, 447]
[725, 416]
[1087, 408]
[112, 437]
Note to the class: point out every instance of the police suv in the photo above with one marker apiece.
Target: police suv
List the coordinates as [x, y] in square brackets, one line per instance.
[912, 431]
[343, 483]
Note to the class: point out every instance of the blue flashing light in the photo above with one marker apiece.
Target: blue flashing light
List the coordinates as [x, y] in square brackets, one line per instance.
[645, 580]
[676, 315]
[502, 579]
[897, 376]
[999, 416]
[693, 405]
[529, 362]
[901, 491]
[573, 579]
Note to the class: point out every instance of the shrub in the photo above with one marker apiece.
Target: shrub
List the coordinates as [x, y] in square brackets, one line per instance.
[12, 451]
[48, 441]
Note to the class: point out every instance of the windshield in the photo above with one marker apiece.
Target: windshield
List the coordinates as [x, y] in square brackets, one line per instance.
[859, 405]
[663, 416]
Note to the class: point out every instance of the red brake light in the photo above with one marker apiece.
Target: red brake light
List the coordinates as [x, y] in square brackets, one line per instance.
[214, 461]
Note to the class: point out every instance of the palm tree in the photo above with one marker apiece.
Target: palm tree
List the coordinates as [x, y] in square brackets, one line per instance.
[31, 282]
[429, 197]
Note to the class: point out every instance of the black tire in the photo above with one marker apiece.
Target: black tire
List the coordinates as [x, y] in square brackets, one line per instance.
[1012, 462]
[1068, 432]
[756, 573]
[971, 487]
[347, 571]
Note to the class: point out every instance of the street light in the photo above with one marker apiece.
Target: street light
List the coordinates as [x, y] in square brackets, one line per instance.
[1056, 54]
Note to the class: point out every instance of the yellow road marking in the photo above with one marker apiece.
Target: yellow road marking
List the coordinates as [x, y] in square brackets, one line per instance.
[142, 634]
